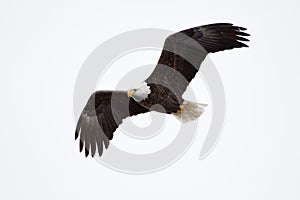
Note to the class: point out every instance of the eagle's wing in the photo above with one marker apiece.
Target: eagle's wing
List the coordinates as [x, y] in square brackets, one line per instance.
[183, 53]
[101, 116]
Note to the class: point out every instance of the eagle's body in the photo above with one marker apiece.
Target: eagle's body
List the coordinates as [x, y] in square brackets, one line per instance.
[161, 95]
[178, 64]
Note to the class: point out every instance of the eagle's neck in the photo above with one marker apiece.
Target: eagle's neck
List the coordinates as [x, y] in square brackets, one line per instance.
[141, 93]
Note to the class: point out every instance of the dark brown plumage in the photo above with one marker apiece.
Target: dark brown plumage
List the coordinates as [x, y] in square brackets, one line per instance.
[101, 116]
[181, 57]
[183, 53]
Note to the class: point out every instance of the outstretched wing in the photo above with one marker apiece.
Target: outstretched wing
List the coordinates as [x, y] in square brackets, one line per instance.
[101, 116]
[183, 53]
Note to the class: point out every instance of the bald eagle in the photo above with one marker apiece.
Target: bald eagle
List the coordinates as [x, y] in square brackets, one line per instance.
[180, 60]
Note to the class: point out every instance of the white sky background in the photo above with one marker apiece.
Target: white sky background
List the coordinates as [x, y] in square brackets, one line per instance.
[42, 47]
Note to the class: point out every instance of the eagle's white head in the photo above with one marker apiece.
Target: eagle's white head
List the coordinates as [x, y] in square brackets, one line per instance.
[141, 93]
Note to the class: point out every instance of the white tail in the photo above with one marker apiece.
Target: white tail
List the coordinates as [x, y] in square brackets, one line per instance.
[189, 111]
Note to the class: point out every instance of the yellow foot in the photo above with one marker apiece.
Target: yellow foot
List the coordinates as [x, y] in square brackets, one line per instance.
[181, 108]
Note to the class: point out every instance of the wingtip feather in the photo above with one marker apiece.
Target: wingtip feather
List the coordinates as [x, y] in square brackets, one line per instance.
[76, 134]
[80, 146]
[86, 152]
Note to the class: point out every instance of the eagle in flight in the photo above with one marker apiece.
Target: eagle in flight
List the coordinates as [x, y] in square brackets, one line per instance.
[180, 60]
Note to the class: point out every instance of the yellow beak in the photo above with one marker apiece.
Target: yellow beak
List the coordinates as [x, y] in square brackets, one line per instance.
[130, 92]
